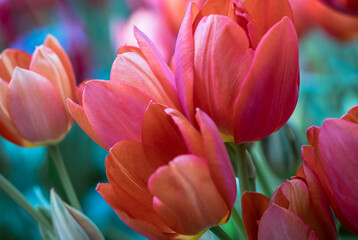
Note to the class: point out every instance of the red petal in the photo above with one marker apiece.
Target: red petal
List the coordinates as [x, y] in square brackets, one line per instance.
[352, 115]
[36, 107]
[187, 198]
[269, 93]
[114, 110]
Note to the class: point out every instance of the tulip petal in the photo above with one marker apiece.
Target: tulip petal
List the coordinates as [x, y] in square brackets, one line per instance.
[133, 70]
[79, 114]
[184, 64]
[263, 15]
[253, 207]
[114, 110]
[46, 63]
[129, 165]
[269, 93]
[36, 107]
[279, 223]
[55, 46]
[187, 199]
[159, 67]
[160, 133]
[191, 136]
[9, 59]
[219, 162]
[338, 141]
[217, 82]
[352, 115]
[7, 129]
[142, 227]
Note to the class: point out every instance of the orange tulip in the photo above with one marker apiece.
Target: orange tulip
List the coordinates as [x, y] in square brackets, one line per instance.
[332, 155]
[175, 182]
[33, 91]
[111, 111]
[297, 210]
[239, 63]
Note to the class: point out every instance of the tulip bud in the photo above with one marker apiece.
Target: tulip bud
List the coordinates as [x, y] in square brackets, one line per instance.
[70, 223]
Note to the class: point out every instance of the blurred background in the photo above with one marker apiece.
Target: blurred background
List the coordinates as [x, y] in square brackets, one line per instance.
[91, 31]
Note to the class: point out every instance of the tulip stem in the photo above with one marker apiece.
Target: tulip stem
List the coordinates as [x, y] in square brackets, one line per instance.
[17, 196]
[243, 169]
[238, 223]
[64, 177]
[220, 233]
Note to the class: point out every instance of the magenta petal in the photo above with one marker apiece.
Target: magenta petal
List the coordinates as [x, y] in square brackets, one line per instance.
[184, 64]
[114, 110]
[269, 93]
[280, 223]
[338, 147]
[36, 107]
[218, 159]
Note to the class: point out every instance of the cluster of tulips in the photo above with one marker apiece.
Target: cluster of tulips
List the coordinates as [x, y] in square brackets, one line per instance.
[233, 79]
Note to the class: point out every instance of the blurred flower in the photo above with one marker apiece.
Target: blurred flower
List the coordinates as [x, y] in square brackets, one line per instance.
[111, 111]
[297, 210]
[239, 63]
[344, 6]
[70, 223]
[175, 181]
[33, 94]
[332, 156]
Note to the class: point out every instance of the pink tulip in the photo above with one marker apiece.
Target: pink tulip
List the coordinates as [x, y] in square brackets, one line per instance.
[33, 91]
[298, 210]
[332, 156]
[111, 111]
[239, 63]
[175, 182]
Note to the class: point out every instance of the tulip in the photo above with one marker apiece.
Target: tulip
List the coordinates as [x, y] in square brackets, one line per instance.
[111, 111]
[344, 6]
[298, 210]
[33, 91]
[239, 63]
[332, 156]
[175, 182]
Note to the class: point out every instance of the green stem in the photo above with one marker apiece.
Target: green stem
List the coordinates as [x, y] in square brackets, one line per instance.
[219, 232]
[243, 169]
[238, 223]
[65, 179]
[16, 195]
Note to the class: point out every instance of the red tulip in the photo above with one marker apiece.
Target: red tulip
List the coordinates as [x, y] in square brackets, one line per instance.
[332, 156]
[111, 111]
[173, 183]
[239, 63]
[33, 91]
[297, 210]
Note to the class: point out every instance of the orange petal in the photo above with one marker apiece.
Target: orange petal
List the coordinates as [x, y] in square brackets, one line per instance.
[9, 59]
[186, 196]
[253, 207]
[352, 115]
[36, 107]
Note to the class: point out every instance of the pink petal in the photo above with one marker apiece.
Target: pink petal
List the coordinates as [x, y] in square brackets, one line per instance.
[337, 142]
[9, 59]
[279, 223]
[184, 64]
[114, 110]
[222, 60]
[160, 133]
[269, 93]
[144, 228]
[133, 70]
[219, 162]
[36, 107]
[186, 196]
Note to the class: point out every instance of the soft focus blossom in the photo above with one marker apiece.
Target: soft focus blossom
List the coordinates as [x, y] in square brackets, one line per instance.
[175, 181]
[33, 91]
[111, 111]
[345, 6]
[239, 63]
[332, 156]
[298, 210]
